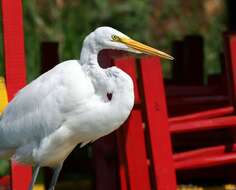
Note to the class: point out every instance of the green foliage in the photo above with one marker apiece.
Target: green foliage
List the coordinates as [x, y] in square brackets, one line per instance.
[71, 22]
[68, 22]
[178, 18]
[214, 44]
[4, 167]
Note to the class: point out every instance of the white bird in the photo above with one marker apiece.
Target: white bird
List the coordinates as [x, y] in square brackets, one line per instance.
[68, 105]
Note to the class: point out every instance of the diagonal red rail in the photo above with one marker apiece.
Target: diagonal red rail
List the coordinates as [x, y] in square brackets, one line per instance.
[207, 161]
[200, 125]
[203, 152]
[202, 115]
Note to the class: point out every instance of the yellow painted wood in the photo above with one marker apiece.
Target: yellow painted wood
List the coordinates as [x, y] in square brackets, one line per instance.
[193, 187]
[39, 187]
[230, 187]
[3, 95]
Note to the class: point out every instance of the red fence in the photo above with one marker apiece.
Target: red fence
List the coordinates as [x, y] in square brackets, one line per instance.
[145, 155]
[14, 60]
[146, 160]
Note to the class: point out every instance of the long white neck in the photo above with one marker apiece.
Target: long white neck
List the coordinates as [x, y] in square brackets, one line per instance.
[111, 80]
[89, 52]
[89, 62]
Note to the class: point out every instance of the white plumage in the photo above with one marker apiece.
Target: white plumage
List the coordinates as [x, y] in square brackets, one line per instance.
[60, 110]
[68, 105]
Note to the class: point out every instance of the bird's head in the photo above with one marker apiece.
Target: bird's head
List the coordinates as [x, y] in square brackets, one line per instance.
[109, 38]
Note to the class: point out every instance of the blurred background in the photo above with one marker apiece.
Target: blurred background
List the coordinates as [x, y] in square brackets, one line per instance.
[157, 23]
[154, 22]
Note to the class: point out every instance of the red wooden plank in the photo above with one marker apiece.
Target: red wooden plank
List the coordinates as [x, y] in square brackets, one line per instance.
[230, 49]
[230, 64]
[13, 39]
[233, 64]
[135, 153]
[203, 152]
[202, 115]
[133, 139]
[5, 182]
[158, 124]
[207, 124]
[207, 161]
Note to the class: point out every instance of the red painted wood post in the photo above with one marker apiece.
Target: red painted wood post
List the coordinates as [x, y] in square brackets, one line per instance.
[230, 64]
[193, 60]
[157, 120]
[14, 58]
[230, 56]
[131, 141]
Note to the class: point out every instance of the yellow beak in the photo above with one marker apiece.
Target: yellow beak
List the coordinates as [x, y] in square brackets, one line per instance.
[144, 48]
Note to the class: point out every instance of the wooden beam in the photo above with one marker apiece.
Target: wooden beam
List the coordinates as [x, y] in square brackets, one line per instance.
[201, 125]
[157, 120]
[131, 140]
[202, 115]
[14, 59]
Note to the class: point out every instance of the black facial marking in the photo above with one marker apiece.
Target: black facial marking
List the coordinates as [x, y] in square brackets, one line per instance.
[109, 96]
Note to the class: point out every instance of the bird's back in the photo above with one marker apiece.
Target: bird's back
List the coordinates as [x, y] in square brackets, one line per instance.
[41, 107]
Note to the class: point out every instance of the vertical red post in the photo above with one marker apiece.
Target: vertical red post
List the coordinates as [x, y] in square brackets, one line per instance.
[157, 119]
[230, 61]
[131, 141]
[193, 66]
[230, 49]
[14, 58]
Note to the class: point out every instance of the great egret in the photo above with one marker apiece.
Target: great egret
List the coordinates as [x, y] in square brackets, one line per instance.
[68, 105]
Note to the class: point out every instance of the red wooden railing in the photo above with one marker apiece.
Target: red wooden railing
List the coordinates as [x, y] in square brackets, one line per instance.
[202, 115]
[131, 146]
[146, 160]
[141, 166]
[155, 149]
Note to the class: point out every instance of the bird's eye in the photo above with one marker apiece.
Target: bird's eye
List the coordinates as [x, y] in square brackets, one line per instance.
[115, 38]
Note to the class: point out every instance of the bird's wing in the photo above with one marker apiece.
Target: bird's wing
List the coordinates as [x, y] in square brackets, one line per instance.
[41, 107]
